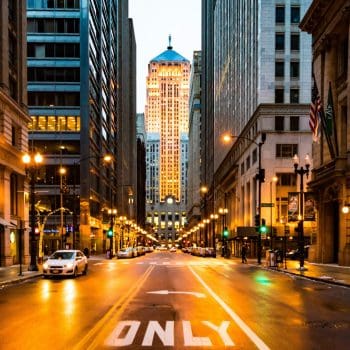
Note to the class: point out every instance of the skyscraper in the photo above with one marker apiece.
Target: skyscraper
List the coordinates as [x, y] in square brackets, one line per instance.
[166, 119]
[81, 60]
[256, 88]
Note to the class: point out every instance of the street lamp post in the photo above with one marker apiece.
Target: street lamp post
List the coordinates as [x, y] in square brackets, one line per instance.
[62, 172]
[112, 213]
[274, 179]
[260, 177]
[213, 218]
[301, 171]
[31, 167]
[223, 212]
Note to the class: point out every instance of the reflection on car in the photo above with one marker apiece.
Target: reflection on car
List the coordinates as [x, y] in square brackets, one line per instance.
[66, 262]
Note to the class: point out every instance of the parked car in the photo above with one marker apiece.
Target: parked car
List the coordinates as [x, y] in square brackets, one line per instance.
[68, 262]
[127, 252]
[209, 251]
[172, 249]
[140, 250]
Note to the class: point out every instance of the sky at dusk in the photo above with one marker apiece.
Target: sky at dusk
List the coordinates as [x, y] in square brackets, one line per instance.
[153, 21]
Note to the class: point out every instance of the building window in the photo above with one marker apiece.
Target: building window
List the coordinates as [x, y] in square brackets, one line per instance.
[13, 194]
[294, 123]
[343, 59]
[286, 150]
[279, 69]
[280, 15]
[279, 38]
[242, 168]
[294, 95]
[247, 162]
[279, 123]
[255, 156]
[286, 179]
[294, 69]
[295, 42]
[279, 95]
[295, 14]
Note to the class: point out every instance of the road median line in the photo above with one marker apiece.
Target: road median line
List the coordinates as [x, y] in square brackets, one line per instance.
[93, 339]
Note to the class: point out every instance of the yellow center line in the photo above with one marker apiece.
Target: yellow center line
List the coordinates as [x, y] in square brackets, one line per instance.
[96, 336]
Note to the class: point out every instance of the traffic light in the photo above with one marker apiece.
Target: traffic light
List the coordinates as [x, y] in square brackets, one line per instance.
[263, 228]
[110, 232]
[225, 233]
[257, 220]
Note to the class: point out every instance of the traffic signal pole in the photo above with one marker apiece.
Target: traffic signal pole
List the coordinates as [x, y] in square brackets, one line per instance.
[260, 175]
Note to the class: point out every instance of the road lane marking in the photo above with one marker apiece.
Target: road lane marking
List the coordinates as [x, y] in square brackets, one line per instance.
[245, 328]
[166, 292]
[190, 340]
[124, 334]
[165, 335]
[92, 339]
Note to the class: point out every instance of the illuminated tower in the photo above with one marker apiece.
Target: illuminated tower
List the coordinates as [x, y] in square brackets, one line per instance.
[166, 119]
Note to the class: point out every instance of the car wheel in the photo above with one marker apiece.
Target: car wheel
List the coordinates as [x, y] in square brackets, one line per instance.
[85, 269]
[75, 272]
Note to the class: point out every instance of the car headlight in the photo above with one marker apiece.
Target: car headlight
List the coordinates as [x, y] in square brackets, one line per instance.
[45, 266]
[70, 265]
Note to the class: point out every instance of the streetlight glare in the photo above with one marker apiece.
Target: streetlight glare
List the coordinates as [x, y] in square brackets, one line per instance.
[204, 189]
[107, 158]
[38, 158]
[26, 158]
[227, 138]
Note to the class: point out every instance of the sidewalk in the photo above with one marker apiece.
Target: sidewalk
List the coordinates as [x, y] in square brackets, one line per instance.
[11, 274]
[328, 273]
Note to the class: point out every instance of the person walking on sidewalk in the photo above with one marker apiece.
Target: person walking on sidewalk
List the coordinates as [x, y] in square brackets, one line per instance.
[244, 253]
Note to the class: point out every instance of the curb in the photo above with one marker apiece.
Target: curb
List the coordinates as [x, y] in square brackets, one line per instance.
[330, 280]
[19, 279]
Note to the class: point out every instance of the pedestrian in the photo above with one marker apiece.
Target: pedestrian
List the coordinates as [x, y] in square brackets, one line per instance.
[244, 253]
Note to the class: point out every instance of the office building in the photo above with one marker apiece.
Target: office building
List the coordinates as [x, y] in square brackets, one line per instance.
[261, 79]
[166, 119]
[81, 58]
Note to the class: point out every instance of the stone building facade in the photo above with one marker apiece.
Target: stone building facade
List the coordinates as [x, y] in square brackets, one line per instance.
[329, 22]
[14, 231]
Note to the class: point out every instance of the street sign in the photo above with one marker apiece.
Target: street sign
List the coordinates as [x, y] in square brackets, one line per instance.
[267, 205]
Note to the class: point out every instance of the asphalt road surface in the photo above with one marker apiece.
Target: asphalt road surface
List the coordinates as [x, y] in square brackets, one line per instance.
[169, 300]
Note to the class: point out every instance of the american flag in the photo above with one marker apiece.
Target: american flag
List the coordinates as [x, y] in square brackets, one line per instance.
[316, 106]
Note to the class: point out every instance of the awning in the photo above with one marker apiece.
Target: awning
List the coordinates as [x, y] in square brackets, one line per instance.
[6, 223]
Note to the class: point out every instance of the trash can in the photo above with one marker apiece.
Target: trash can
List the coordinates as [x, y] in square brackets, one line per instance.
[270, 258]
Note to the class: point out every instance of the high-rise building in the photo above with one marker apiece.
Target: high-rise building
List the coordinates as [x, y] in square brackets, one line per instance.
[194, 147]
[81, 66]
[14, 121]
[256, 62]
[166, 120]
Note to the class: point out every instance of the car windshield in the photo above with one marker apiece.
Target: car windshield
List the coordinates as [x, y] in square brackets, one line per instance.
[62, 255]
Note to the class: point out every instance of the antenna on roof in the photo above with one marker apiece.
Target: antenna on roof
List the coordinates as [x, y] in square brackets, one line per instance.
[169, 47]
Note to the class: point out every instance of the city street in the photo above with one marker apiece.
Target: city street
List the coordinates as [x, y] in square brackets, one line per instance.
[166, 299]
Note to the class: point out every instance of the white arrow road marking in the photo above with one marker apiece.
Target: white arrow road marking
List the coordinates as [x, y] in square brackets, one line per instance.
[166, 292]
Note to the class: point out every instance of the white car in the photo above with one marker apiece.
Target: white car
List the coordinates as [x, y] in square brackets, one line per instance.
[172, 249]
[127, 252]
[66, 262]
